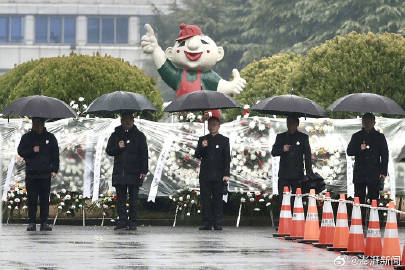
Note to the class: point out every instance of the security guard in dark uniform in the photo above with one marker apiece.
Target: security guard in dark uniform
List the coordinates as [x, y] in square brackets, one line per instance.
[130, 151]
[213, 150]
[292, 146]
[40, 150]
[370, 149]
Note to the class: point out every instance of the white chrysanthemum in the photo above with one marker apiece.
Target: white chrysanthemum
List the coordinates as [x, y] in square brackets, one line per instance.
[262, 127]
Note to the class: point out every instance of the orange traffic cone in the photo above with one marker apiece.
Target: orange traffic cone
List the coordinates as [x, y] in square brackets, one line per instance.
[298, 218]
[373, 241]
[311, 232]
[356, 236]
[391, 249]
[341, 235]
[285, 222]
[402, 265]
[327, 224]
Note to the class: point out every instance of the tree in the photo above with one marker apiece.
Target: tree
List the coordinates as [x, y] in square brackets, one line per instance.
[353, 63]
[298, 25]
[266, 78]
[74, 76]
[252, 29]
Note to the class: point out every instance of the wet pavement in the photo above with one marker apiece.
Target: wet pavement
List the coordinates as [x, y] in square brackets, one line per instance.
[74, 247]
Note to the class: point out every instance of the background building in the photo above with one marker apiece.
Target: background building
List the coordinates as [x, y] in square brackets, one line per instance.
[31, 29]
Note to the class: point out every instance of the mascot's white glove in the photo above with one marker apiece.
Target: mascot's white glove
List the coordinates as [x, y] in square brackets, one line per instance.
[150, 45]
[232, 87]
[149, 41]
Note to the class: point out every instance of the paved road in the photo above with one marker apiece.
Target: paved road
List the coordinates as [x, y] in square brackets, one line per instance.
[70, 247]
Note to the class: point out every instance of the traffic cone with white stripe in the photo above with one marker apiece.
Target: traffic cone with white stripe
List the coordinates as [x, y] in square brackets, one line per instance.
[285, 221]
[373, 241]
[298, 218]
[341, 235]
[311, 231]
[356, 236]
[327, 224]
[391, 249]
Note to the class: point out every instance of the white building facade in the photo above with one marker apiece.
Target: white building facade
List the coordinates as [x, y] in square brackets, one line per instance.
[32, 29]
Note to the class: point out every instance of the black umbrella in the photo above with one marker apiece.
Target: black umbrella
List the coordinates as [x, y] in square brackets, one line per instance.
[118, 102]
[290, 105]
[201, 101]
[39, 106]
[366, 102]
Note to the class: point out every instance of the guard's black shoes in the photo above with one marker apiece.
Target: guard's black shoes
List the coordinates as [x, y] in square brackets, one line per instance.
[218, 227]
[120, 227]
[132, 227]
[205, 228]
[45, 227]
[32, 227]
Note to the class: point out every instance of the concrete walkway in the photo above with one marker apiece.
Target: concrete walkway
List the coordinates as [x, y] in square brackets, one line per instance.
[73, 247]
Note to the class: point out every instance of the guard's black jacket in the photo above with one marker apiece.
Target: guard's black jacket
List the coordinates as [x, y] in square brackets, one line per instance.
[373, 161]
[41, 164]
[132, 160]
[292, 162]
[215, 158]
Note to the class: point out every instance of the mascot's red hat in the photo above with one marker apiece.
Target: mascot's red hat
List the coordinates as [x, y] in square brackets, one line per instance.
[213, 113]
[187, 31]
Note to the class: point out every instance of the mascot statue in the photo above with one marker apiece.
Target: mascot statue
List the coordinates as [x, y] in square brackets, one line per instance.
[187, 66]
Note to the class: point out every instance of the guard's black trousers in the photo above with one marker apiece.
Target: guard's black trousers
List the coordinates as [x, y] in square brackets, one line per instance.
[372, 190]
[372, 194]
[211, 202]
[122, 192]
[38, 188]
[292, 184]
